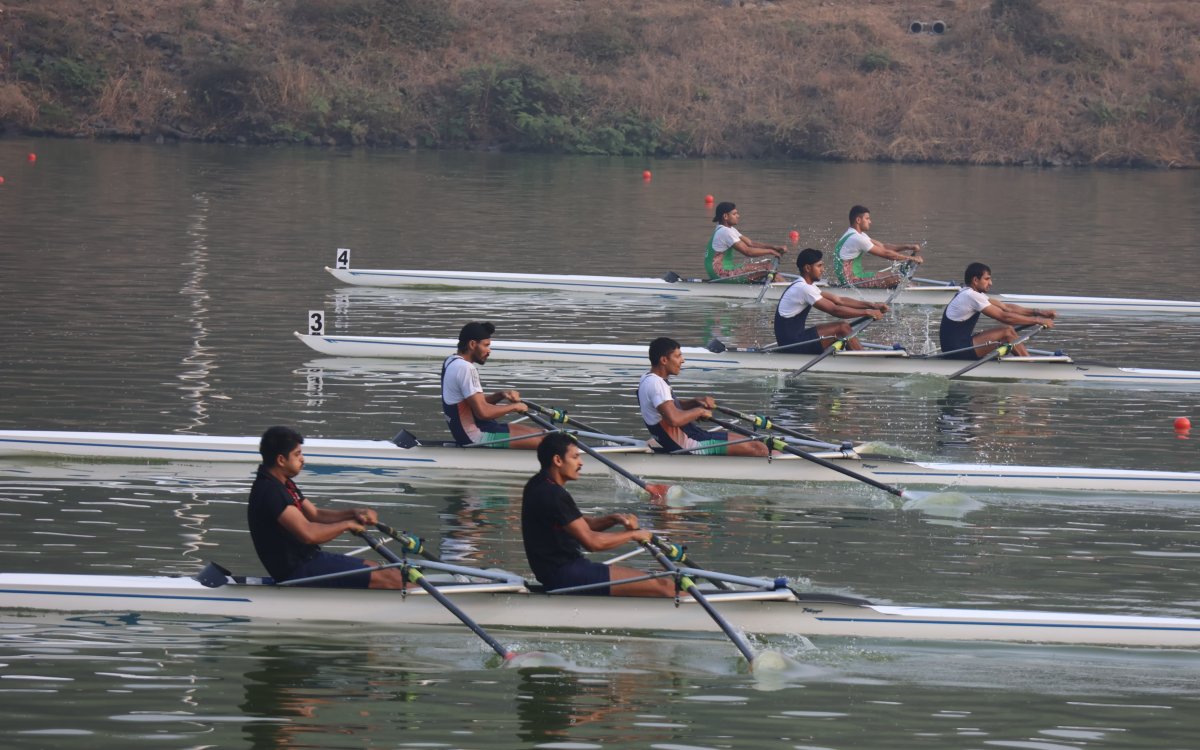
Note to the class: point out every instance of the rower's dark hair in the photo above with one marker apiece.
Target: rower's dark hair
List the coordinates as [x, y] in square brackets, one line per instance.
[807, 257]
[278, 441]
[554, 444]
[661, 347]
[474, 331]
[974, 271]
[723, 208]
[857, 211]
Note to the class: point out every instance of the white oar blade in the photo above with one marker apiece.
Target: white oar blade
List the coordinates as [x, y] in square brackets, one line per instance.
[537, 660]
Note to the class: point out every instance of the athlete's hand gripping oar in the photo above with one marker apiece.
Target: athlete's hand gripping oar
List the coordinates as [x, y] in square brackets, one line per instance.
[412, 544]
[688, 586]
[659, 491]
[999, 351]
[415, 576]
[780, 445]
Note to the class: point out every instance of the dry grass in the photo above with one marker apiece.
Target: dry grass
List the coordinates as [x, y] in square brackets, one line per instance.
[1110, 82]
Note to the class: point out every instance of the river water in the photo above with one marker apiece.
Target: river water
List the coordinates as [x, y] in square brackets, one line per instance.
[155, 289]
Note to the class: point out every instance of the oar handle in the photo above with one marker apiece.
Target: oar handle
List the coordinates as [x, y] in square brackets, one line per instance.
[416, 576]
[780, 445]
[763, 422]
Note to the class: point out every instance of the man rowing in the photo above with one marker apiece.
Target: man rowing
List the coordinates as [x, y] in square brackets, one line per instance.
[855, 243]
[287, 528]
[956, 332]
[802, 296]
[555, 532]
[673, 422]
[471, 415]
[719, 259]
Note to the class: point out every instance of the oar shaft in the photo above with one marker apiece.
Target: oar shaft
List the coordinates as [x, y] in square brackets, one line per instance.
[560, 416]
[689, 586]
[594, 453]
[764, 422]
[993, 354]
[418, 578]
[832, 466]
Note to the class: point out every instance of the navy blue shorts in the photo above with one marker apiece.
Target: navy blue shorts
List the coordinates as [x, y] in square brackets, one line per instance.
[327, 562]
[950, 344]
[811, 343]
[580, 572]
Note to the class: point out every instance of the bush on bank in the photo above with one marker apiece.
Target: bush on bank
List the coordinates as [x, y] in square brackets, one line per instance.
[1109, 82]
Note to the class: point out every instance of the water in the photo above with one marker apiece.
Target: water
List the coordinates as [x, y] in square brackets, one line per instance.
[155, 289]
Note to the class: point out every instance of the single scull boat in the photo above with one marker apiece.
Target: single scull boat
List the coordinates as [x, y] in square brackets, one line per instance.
[1059, 368]
[915, 294]
[769, 608]
[377, 454]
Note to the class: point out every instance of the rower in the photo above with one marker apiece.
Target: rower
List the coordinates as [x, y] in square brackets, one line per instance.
[960, 316]
[718, 259]
[471, 415]
[855, 243]
[673, 422]
[555, 532]
[287, 528]
[802, 296]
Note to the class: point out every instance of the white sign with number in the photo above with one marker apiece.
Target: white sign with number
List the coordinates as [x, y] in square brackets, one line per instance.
[342, 260]
[316, 322]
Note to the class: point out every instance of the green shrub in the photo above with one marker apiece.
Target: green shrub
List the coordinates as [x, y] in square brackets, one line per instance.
[222, 90]
[877, 59]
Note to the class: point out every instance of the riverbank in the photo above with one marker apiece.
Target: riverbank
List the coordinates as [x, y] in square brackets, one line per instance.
[1040, 82]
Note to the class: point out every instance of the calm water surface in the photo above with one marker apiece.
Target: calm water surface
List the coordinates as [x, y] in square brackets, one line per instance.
[155, 289]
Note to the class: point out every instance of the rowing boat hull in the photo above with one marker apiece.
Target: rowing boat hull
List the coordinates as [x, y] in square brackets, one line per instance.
[918, 294]
[766, 613]
[1054, 369]
[377, 454]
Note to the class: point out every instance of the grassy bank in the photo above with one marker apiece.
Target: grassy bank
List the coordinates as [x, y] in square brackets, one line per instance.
[1105, 82]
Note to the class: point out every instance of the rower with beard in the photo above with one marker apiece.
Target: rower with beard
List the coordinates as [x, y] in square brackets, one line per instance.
[802, 296]
[957, 330]
[470, 414]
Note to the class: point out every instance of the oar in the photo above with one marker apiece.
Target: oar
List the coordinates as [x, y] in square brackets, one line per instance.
[687, 585]
[415, 576]
[857, 326]
[763, 422]
[766, 282]
[561, 417]
[781, 445]
[999, 351]
[835, 347]
[412, 544]
[659, 491]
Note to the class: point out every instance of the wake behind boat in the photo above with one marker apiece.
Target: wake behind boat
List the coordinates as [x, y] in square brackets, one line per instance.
[672, 285]
[384, 454]
[769, 608]
[885, 362]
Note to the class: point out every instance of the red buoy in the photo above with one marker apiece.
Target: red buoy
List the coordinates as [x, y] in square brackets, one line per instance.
[646, 175]
[794, 236]
[1182, 424]
[32, 157]
[708, 199]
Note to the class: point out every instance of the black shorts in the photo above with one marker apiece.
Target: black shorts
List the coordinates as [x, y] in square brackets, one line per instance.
[327, 562]
[579, 572]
